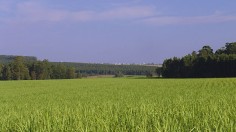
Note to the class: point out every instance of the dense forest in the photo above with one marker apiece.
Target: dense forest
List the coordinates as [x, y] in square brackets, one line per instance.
[26, 68]
[22, 69]
[109, 69]
[204, 63]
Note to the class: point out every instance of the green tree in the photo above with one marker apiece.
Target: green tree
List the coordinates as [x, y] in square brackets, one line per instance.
[205, 64]
[149, 74]
[33, 75]
[230, 48]
[78, 75]
[1, 71]
[43, 70]
[119, 74]
[59, 71]
[206, 52]
[6, 73]
[159, 71]
[220, 51]
[19, 69]
[70, 73]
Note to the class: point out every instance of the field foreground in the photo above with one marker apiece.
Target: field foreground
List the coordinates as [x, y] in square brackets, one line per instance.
[110, 104]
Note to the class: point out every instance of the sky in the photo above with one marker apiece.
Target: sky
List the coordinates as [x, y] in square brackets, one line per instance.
[114, 31]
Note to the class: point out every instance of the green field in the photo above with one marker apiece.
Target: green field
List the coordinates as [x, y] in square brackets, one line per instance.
[110, 104]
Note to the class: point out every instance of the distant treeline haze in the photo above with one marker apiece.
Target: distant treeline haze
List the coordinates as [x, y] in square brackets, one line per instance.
[26, 68]
[204, 63]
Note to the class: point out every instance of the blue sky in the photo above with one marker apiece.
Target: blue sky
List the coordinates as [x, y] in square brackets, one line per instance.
[112, 31]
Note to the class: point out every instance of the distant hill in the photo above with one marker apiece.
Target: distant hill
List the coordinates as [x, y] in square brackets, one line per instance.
[4, 59]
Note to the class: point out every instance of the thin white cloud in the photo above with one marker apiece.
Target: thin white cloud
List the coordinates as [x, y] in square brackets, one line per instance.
[82, 16]
[128, 12]
[175, 20]
[34, 11]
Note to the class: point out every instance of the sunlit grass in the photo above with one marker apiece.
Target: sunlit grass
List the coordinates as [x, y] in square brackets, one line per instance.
[122, 104]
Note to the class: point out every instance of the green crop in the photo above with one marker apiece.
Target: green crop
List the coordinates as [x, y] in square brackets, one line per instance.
[118, 105]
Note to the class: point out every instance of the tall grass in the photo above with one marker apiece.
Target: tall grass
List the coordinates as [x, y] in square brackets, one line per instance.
[119, 105]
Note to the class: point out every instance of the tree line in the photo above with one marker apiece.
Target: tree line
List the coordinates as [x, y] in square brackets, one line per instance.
[29, 68]
[20, 69]
[88, 69]
[204, 63]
